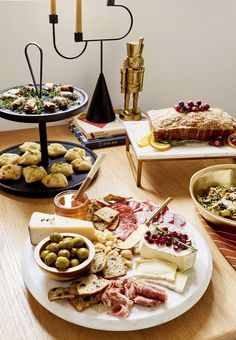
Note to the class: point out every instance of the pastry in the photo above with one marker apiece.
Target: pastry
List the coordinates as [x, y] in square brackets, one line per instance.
[63, 168]
[34, 173]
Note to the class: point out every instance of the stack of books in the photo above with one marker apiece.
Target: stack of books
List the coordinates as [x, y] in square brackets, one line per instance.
[96, 135]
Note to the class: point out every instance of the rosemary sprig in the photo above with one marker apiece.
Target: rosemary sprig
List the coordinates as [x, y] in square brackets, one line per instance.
[174, 142]
[193, 249]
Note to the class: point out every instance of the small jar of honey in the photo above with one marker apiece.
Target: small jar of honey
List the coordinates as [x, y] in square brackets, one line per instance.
[67, 206]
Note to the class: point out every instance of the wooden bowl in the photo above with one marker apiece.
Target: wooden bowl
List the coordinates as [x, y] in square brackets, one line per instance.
[200, 183]
[64, 274]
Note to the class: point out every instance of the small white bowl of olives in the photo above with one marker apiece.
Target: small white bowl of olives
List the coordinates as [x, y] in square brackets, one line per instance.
[64, 256]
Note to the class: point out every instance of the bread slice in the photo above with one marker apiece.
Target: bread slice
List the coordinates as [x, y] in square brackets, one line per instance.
[82, 302]
[98, 263]
[61, 293]
[92, 285]
[115, 267]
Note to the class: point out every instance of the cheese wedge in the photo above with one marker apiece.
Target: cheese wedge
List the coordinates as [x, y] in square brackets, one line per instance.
[42, 225]
[184, 259]
[178, 285]
[156, 269]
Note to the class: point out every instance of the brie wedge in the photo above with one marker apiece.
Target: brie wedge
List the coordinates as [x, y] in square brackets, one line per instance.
[184, 259]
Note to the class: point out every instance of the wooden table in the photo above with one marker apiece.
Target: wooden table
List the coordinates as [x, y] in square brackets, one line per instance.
[22, 317]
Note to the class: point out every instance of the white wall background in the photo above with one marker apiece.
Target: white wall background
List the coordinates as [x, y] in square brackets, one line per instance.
[190, 48]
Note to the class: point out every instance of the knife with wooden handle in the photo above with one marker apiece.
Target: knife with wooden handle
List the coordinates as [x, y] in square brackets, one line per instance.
[135, 237]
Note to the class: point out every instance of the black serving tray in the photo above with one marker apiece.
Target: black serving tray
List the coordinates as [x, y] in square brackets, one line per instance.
[23, 117]
[38, 190]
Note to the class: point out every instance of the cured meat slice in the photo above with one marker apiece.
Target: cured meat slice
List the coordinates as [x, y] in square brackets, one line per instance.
[129, 287]
[122, 208]
[127, 217]
[125, 229]
[146, 290]
[117, 303]
[143, 301]
[135, 205]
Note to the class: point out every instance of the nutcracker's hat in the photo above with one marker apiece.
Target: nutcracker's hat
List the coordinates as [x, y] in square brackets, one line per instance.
[135, 48]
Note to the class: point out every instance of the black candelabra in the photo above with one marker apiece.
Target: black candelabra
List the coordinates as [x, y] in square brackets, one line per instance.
[100, 109]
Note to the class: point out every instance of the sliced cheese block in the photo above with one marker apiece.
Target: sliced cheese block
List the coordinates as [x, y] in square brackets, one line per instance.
[178, 285]
[156, 269]
[42, 225]
[134, 238]
[184, 259]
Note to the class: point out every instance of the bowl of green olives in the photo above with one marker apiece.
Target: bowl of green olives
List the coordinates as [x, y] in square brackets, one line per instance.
[64, 256]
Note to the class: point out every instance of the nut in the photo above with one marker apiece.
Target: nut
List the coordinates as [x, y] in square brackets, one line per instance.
[113, 252]
[99, 247]
[127, 254]
[136, 251]
[109, 243]
[129, 263]
[107, 249]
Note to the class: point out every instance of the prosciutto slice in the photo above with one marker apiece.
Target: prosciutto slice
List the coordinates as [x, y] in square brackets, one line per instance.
[143, 301]
[116, 302]
[119, 296]
[151, 292]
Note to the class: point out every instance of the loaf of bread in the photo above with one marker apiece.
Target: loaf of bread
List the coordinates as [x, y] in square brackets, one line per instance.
[202, 125]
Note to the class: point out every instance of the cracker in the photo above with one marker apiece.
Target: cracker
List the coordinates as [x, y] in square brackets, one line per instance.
[114, 224]
[91, 285]
[61, 293]
[106, 214]
[115, 267]
[82, 302]
[113, 198]
[98, 263]
[100, 225]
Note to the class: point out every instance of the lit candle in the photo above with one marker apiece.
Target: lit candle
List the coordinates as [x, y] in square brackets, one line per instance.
[78, 17]
[53, 6]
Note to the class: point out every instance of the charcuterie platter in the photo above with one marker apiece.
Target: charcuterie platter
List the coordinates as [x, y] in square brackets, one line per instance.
[140, 304]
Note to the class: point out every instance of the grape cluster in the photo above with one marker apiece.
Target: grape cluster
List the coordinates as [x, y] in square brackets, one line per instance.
[217, 141]
[165, 237]
[191, 106]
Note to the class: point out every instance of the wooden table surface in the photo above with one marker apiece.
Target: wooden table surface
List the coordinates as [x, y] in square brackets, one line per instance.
[22, 317]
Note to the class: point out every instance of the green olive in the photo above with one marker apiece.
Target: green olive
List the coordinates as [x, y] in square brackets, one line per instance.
[83, 253]
[44, 254]
[78, 242]
[225, 213]
[50, 259]
[62, 263]
[67, 238]
[56, 237]
[64, 253]
[73, 253]
[66, 244]
[74, 262]
[53, 247]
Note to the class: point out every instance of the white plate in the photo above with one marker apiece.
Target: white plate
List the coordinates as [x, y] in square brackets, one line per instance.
[140, 317]
[136, 130]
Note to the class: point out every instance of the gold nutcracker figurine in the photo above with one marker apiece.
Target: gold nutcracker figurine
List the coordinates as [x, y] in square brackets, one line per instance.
[132, 75]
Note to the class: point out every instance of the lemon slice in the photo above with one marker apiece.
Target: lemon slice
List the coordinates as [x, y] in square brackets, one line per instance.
[230, 140]
[157, 145]
[143, 141]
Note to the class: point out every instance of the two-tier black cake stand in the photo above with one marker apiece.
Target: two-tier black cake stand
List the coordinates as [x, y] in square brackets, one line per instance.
[37, 189]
